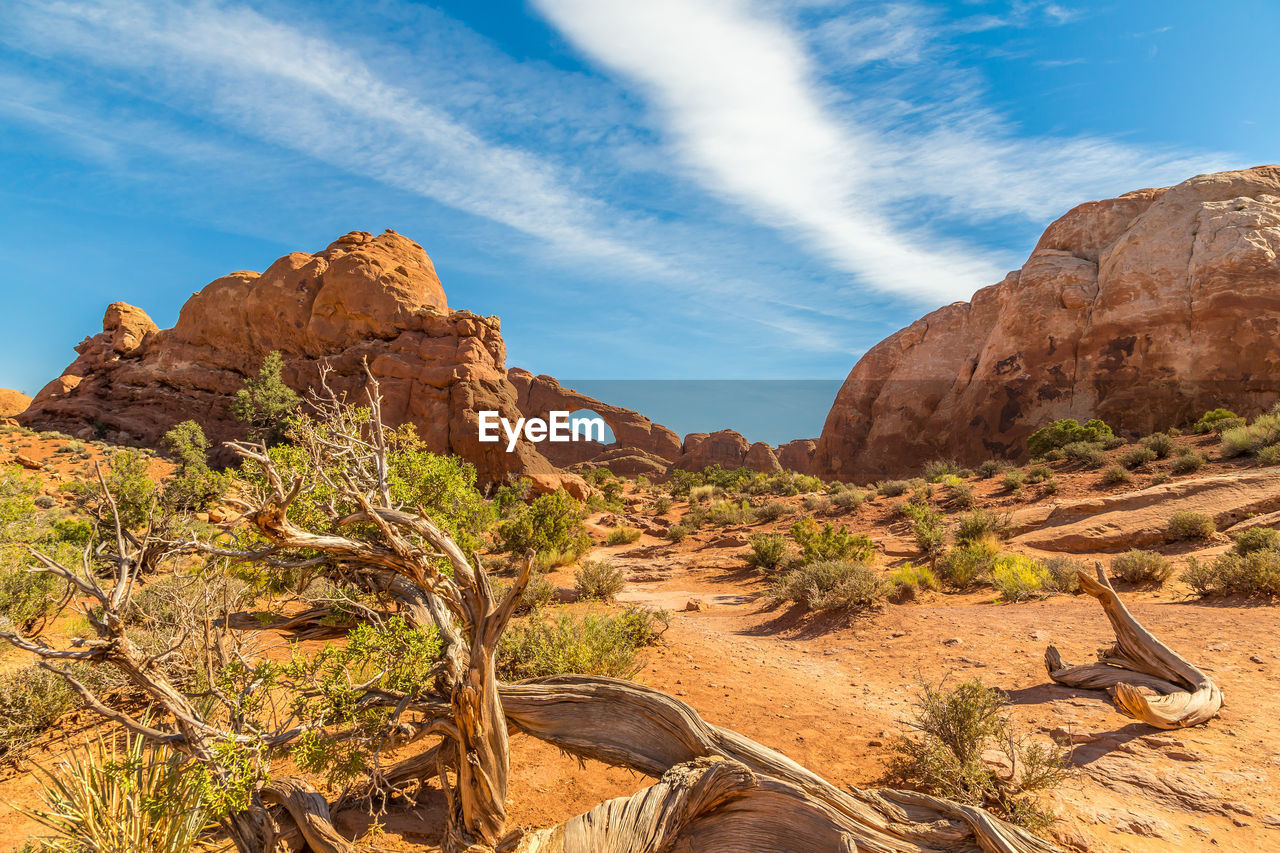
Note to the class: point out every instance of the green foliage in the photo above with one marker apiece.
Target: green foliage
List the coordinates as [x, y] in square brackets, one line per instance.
[1039, 473]
[128, 479]
[968, 564]
[591, 644]
[598, 579]
[955, 727]
[935, 470]
[1188, 463]
[31, 701]
[1256, 539]
[768, 551]
[28, 598]
[1018, 577]
[772, 511]
[662, 505]
[741, 480]
[840, 584]
[1090, 454]
[928, 529]
[1159, 443]
[1115, 476]
[829, 543]
[1063, 573]
[1263, 432]
[1191, 525]
[1255, 574]
[1269, 455]
[677, 532]
[980, 524]
[1211, 418]
[959, 495]
[848, 499]
[1012, 481]
[265, 403]
[816, 503]
[892, 488]
[1060, 433]
[622, 535]
[1141, 568]
[1137, 457]
[141, 798]
[728, 513]
[194, 486]
[550, 522]
[991, 467]
[906, 581]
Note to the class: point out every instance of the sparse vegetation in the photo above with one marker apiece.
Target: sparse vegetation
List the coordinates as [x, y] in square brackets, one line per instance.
[1210, 419]
[1256, 539]
[937, 469]
[598, 579]
[31, 700]
[622, 535]
[1018, 577]
[590, 644]
[1115, 476]
[1250, 439]
[892, 488]
[1254, 574]
[1063, 573]
[991, 467]
[840, 584]
[1187, 463]
[1141, 568]
[1137, 457]
[827, 543]
[1185, 525]
[1159, 443]
[968, 564]
[1012, 481]
[1061, 433]
[980, 524]
[768, 551]
[907, 581]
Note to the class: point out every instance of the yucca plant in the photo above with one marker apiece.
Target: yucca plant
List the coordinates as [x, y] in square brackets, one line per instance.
[139, 798]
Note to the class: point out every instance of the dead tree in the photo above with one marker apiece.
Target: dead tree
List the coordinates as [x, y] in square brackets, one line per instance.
[1137, 661]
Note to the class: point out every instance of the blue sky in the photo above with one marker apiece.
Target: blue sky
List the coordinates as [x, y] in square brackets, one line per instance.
[665, 189]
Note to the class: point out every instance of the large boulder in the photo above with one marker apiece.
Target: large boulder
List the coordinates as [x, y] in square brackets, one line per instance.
[12, 402]
[364, 299]
[1143, 310]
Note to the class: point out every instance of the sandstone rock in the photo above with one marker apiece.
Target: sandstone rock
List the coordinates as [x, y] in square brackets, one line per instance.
[626, 462]
[1144, 310]
[12, 402]
[725, 448]
[797, 455]
[362, 298]
[696, 605]
[27, 462]
[760, 457]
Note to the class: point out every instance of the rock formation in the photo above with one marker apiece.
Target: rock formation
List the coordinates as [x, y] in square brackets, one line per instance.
[1143, 310]
[12, 403]
[727, 449]
[362, 298]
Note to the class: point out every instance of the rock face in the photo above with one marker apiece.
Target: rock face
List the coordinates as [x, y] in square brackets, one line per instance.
[1144, 310]
[537, 396]
[362, 298]
[12, 402]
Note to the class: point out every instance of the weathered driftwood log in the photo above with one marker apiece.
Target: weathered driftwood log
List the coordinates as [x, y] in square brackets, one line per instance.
[309, 811]
[1138, 660]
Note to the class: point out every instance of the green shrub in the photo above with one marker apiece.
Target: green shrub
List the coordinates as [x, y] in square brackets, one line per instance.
[1012, 481]
[848, 499]
[980, 524]
[928, 528]
[193, 486]
[1090, 454]
[1255, 574]
[1191, 525]
[1050, 486]
[598, 579]
[142, 798]
[892, 488]
[959, 495]
[772, 511]
[954, 730]
[1115, 476]
[937, 469]
[768, 551]
[1264, 431]
[729, 513]
[816, 503]
[1144, 568]
[1067, 431]
[1256, 539]
[31, 701]
[1211, 418]
[662, 505]
[1039, 473]
[698, 494]
[830, 543]
[1188, 463]
[550, 522]
[991, 467]
[969, 564]
[1269, 455]
[264, 403]
[1159, 443]
[1063, 573]
[829, 585]
[538, 593]
[1017, 577]
[906, 581]
[27, 598]
[622, 535]
[1137, 457]
[591, 644]
[677, 532]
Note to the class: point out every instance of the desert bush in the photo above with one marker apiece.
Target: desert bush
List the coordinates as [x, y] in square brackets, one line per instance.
[1187, 463]
[991, 467]
[816, 503]
[928, 528]
[729, 513]
[1115, 476]
[1017, 576]
[1012, 481]
[906, 581]
[622, 535]
[1137, 457]
[598, 579]
[27, 599]
[1063, 573]
[1067, 431]
[1039, 473]
[662, 505]
[772, 511]
[1090, 454]
[1211, 418]
[968, 564]
[830, 543]
[589, 644]
[1255, 574]
[1263, 432]
[848, 499]
[265, 403]
[1138, 567]
[1050, 486]
[550, 522]
[139, 797]
[194, 485]
[768, 551]
[1269, 455]
[31, 701]
[698, 494]
[955, 728]
[959, 495]
[892, 488]
[1191, 525]
[677, 533]
[1256, 539]
[829, 585]
[980, 524]
[1159, 443]
[935, 470]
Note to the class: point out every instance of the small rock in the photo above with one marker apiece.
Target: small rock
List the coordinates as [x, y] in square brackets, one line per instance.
[1181, 755]
[696, 605]
[1063, 735]
[875, 742]
[953, 641]
[27, 462]
[1039, 636]
[1256, 659]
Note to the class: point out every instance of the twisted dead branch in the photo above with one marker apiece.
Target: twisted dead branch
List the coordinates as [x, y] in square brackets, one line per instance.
[1137, 661]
